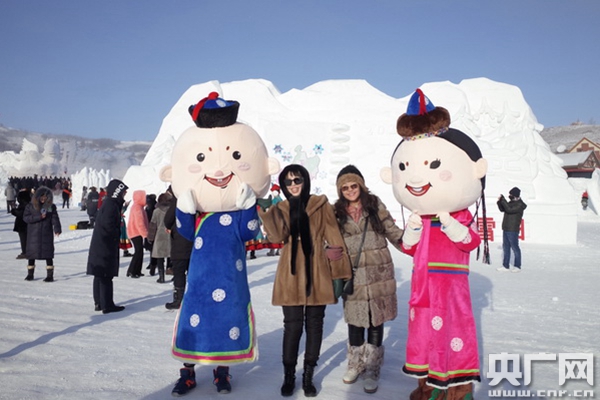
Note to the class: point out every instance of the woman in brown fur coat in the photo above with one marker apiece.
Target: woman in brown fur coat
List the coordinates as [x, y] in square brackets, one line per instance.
[374, 299]
[303, 286]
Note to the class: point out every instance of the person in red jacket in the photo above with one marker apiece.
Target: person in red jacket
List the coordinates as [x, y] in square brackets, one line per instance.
[137, 230]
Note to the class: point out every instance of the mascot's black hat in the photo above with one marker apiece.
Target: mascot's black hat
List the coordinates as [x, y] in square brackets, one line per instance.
[214, 112]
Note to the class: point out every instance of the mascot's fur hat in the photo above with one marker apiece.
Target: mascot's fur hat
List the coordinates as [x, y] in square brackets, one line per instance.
[214, 112]
[421, 120]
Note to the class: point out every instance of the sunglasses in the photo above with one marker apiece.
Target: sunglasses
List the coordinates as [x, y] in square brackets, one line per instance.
[295, 181]
[353, 186]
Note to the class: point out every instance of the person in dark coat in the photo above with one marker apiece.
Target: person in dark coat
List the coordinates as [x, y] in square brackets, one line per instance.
[103, 257]
[181, 250]
[148, 245]
[511, 225]
[43, 224]
[24, 198]
[92, 205]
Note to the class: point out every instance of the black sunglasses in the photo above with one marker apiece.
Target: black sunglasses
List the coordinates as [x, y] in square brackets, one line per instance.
[295, 181]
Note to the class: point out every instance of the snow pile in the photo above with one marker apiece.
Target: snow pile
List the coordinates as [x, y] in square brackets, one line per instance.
[332, 123]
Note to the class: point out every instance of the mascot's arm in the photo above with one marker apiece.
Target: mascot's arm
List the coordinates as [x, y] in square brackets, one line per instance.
[340, 268]
[186, 214]
[275, 224]
[249, 225]
[412, 233]
[466, 239]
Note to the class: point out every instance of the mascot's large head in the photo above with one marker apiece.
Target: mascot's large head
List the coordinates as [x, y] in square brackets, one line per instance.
[218, 155]
[434, 168]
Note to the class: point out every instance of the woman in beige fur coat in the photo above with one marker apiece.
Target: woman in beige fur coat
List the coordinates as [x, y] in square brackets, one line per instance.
[374, 299]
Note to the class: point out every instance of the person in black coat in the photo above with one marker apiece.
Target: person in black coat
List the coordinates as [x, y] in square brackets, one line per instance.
[181, 251]
[103, 257]
[43, 224]
[511, 225]
[24, 198]
[93, 198]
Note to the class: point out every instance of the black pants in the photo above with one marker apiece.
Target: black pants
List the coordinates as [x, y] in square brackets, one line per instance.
[23, 240]
[356, 335]
[135, 265]
[295, 320]
[103, 292]
[180, 268]
[49, 262]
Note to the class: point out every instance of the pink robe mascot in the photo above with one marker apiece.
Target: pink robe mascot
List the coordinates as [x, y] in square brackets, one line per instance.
[437, 173]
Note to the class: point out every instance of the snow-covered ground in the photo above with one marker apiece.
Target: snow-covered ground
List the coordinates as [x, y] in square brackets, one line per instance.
[54, 346]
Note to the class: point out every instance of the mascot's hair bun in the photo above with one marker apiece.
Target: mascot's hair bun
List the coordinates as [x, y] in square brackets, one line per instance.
[214, 112]
[422, 118]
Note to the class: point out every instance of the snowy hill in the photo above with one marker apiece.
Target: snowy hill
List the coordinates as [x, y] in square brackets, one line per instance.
[568, 136]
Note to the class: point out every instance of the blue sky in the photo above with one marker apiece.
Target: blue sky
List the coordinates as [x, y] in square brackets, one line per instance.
[114, 68]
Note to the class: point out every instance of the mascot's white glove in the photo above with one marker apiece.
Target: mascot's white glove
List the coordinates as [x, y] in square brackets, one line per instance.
[412, 233]
[455, 231]
[246, 197]
[186, 202]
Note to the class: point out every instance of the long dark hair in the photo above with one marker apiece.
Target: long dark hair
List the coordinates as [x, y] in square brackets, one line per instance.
[299, 224]
[370, 204]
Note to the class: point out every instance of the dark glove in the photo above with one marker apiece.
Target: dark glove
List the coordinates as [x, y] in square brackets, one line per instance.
[334, 253]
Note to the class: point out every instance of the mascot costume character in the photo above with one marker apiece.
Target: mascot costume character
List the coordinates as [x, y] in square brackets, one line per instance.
[218, 169]
[438, 172]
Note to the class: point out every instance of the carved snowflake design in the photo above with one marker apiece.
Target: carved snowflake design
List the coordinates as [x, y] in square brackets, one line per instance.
[218, 295]
[456, 344]
[234, 333]
[225, 220]
[437, 323]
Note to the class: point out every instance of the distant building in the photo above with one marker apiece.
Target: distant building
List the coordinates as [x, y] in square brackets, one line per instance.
[580, 164]
[584, 145]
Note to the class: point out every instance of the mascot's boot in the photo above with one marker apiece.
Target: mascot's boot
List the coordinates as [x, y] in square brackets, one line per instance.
[49, 274]
[356, 364]
[30, 270]
[426, 392]
[177, 297]
[460, 392]
[373, 357]
[222, 377]
[307, 380]
[289, 380]
[186, 382]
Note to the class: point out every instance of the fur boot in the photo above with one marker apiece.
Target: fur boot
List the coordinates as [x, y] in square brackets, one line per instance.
[30, 271]
[356, 364]
[49, 274]
[373, 359]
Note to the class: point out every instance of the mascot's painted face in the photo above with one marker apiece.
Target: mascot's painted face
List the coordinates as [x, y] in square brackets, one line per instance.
[432, 175]
[215, 162]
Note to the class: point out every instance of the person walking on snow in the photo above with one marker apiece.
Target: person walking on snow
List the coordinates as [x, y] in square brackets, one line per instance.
[43, 224]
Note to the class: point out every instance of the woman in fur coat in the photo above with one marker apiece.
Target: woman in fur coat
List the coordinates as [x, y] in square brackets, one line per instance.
[303, 281]
[43, 224]
[374, 299]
